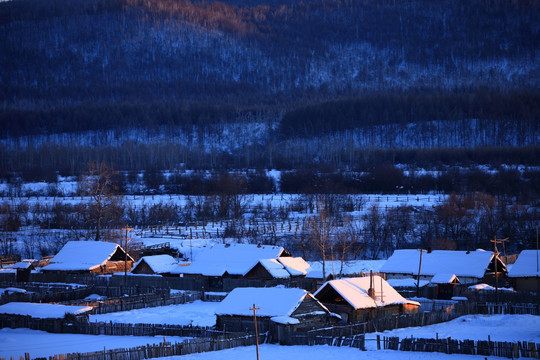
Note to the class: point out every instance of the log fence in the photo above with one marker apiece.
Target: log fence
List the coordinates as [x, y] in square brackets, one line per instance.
[469, 347]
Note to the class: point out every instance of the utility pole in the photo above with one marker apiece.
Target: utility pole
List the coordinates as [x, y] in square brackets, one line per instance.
[419, 271]
[254, 308]
[126, 240]
[495, 241]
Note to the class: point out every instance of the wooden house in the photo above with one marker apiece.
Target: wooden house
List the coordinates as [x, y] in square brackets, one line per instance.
[279, 310]
[363, 298]
[280, 268]
[470, 267]
[89, 257]
[229, 260]
[525, 272]
[155, 265]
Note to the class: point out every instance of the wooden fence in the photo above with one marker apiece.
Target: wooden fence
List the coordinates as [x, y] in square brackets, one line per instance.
[63, 326]
[142, 301]
[508, 308]
[164, 349]
[469, 347]
[43, 292]
[357, 341]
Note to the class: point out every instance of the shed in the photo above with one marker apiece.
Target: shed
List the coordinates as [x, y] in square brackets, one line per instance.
[525, 273]
[155, 265]
[470, 266]
[288, 309]
[90, 257]
[363, 298]
[445, 284]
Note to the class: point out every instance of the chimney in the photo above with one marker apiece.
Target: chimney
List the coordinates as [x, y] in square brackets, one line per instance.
[371, 290]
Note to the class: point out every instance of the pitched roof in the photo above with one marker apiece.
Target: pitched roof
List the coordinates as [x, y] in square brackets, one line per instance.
[83, 255]
[460, 263]
[158, 263]
[444, 279]
[525, 265]
[284, 267]
[235, 259]
[42, 311]
[276, 301]
[355, 292]
[350, 267]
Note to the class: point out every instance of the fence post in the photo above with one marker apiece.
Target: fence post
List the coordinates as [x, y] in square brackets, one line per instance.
[378, 342]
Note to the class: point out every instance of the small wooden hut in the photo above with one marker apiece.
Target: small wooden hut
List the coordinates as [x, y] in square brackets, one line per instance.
[363, 298]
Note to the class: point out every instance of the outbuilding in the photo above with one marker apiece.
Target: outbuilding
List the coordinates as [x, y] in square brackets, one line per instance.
[90, 257]
[363, 298]
[525, 272]
[279, 310]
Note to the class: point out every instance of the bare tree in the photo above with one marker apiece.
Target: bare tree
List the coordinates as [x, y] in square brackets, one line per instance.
[99, 183]
[321, 228]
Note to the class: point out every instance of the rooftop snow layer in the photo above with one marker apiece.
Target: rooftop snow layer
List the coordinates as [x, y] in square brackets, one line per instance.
[525, 265]
[158, 263]
[275, 268]
[460, 263]
[42, 311]
[276, 301]
[444, 279]
[296, 266]
[236, 259]
[82, 255]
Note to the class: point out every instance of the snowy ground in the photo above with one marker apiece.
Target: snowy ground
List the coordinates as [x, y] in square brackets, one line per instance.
[198, 313]
[320, 353]
[17, 342]
[478, 327]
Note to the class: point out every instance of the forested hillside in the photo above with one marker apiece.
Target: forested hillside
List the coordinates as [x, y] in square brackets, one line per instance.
[162, 84]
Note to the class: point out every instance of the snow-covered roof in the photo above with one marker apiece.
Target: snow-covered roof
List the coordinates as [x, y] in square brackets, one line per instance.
[525, 265]
[276, 301]
[83, 255]
[42, 311]
[406, 283]
[235, 259]
[158, 263]
[275, 268]
[284, 267]
[461, 263]
[444, 279]
[285, 320]
[355, 292]
[296, 266]
[350, 267]
[22, 265]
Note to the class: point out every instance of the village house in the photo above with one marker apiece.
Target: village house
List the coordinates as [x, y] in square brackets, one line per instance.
[155, 265]
[280, 268]
[524, 273]
[279, 310]
[362, 298]
[89, 257]
[470, 267]
[229, 260]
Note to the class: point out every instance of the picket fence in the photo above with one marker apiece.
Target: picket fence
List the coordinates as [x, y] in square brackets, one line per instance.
[470, 347]
[164, 349]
